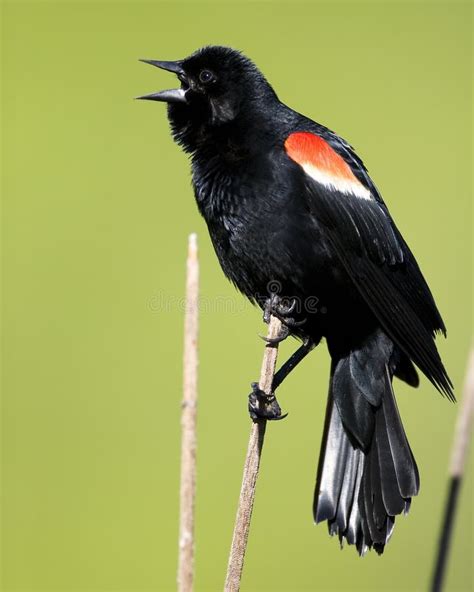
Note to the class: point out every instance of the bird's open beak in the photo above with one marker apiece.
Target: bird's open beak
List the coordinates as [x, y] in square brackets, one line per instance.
[175, 95]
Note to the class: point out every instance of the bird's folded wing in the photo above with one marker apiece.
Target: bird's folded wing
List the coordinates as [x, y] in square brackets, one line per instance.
[360, 230]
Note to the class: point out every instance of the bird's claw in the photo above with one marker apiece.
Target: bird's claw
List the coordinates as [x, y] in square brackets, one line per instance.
[275, 306]
[284, 332]
[263, 406]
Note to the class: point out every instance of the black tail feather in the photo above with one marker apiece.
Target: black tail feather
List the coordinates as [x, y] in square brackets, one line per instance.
[360, 491]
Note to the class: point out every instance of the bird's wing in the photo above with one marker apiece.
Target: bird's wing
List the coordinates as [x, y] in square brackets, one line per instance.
[358, 226]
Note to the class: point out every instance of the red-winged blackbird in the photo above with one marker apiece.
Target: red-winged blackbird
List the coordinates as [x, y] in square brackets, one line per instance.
[300, 228]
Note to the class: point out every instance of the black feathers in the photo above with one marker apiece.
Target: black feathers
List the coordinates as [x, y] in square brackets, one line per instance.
[359, 491]
[387, 277]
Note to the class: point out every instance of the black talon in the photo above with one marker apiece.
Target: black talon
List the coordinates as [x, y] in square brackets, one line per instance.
[274, 306]
[293, 323]
[284, 333]
[286, 310]
[263, 406]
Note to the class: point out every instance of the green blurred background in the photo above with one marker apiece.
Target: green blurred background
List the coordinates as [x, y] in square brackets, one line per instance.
[97, 209]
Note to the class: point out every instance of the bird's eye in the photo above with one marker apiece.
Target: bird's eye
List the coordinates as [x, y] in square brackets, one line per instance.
[206, 76]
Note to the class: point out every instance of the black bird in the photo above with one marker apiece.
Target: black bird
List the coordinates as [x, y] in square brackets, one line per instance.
[300, 228]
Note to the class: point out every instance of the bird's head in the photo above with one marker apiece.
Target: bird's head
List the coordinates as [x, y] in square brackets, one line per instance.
[218, 86]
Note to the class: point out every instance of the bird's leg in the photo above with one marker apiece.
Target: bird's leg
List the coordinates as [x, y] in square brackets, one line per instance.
[293, 361]
[276, 306]
[263, 406]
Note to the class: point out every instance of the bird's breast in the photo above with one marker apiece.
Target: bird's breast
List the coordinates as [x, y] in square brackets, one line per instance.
[259, 225]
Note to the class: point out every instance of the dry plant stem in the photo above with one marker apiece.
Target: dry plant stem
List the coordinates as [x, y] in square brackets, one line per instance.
[251, 467]
[464, 422]
[459, 452]
[188, 422]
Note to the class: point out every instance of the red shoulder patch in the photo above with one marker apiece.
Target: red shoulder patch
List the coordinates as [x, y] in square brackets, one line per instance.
[323, 163]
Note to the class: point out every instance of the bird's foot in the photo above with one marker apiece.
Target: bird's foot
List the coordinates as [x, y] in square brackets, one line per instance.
[279, 307]
[263, 406]
[283, 309]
